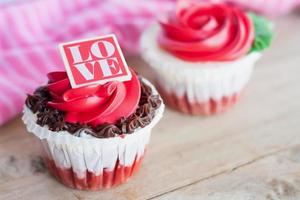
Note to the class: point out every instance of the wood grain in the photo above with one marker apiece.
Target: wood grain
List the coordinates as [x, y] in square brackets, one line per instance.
[193, 156]
[275, 177]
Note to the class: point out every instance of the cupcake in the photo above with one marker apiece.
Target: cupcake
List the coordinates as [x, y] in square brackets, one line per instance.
[203, 55]
[95, 136]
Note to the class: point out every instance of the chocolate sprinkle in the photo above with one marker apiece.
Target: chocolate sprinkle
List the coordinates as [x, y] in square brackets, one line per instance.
[55, 121]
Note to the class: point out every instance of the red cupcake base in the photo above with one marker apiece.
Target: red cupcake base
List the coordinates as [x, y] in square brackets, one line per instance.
[207, 108]
[106, 180]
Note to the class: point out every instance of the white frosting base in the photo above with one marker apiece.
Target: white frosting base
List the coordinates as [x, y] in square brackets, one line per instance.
[88, 152]
[201, 81]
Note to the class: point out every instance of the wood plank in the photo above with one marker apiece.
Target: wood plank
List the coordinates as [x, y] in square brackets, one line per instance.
[186, 149]
[275, 177]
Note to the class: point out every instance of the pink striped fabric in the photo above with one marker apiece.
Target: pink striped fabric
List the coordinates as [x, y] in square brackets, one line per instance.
[30, 31]
[271, 8]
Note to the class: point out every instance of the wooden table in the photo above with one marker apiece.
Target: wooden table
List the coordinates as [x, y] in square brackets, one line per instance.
[249, 153]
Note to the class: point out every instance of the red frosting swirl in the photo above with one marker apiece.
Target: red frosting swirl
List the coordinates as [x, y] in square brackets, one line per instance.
[207, 32]
[94, 104]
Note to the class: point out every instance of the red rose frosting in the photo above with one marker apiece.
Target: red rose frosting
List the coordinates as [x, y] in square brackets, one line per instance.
[207, 32]
[94, 104]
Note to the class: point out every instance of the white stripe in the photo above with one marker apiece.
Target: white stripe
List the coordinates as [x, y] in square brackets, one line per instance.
[104, 30]
[29, 65]
[11, 87]
[8, 35]
[54, 11]
[2, 27]
[45, 59]
[30, 83]
[76, 21]
[33, 19]
[20, 29]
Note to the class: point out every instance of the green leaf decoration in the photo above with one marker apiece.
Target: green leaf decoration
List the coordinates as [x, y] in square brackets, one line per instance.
[263, 32]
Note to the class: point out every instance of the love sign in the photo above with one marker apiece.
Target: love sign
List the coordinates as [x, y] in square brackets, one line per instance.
[96, 60]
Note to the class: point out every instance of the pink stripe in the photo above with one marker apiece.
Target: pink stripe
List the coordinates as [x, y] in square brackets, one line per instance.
[20, 35]
[35, 16]
[30, 32]
[43, 59]
[37, 60]
[20, 80]
[11, 88]
[21, 64]
[267, 7]
[8, 32]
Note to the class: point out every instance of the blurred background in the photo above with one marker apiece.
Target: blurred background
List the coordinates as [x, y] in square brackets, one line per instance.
[30, 31]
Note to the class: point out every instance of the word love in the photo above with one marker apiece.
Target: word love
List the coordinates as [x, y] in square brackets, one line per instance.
[97, 60]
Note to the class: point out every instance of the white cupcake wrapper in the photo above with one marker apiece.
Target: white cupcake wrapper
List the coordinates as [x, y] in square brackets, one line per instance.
[89, 153]
[200, 81]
